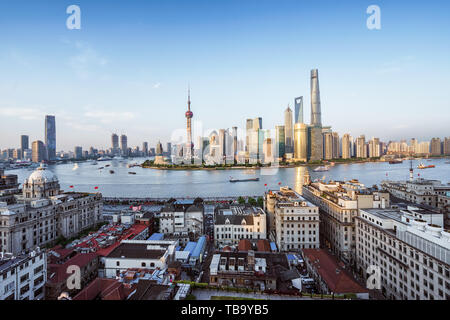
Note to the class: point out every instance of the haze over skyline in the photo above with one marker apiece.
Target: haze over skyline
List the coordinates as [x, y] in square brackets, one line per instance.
[128, 68]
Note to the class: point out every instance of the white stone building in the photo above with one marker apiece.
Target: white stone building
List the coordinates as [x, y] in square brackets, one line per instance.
[236, 222]
[295, 220]
[23, 277]
[412, 254]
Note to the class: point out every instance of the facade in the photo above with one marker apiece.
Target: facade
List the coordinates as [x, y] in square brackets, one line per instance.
[374, 148]
[24, 142]
[447, 146]
[184, 220]
[294, 220]
[23, 277]
[422, 191]
[139, 254]
[236, 222]
[253, 270]
[361, 149]
[435, 147]
[413, 255]
[280, 143]
[346, 146]
[8, 187]
[38, 151]
[339, 203]
[50, 137]
[298, 103]
[315, 143]
[328, 146]
[78, 152]
[44, 213]
[124, 144]
[115, 143]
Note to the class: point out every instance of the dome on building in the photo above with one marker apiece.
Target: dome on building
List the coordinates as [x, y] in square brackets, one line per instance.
[41, 174]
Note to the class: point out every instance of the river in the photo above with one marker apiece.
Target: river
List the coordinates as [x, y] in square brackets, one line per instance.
[214, 183]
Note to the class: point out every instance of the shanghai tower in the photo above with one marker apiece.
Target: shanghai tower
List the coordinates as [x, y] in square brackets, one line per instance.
[315, 144]
[316, 118]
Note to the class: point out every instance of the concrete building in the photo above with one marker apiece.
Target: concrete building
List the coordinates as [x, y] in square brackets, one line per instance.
[294, 220]
[44, 213]
[8, 187]
[435, 147]
[139, 254]
[374, 148]
[39, 151]
[339, 203]
[23, 277]
[361, 148]
[412, 253]
[182, 219]
[346, 146]
[236, 222]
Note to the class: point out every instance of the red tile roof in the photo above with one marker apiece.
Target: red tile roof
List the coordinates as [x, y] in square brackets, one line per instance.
[60, 270]
[263, 245]
[105, 289]
[337, 279]
[244, 245]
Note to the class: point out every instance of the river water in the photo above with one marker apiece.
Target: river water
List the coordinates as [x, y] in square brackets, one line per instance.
[214, 183]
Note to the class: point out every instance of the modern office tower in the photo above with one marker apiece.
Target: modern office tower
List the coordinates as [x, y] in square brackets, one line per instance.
[50, 136]
[447, 146]
[222, 144]
[257, 123]
[435, 146]
[124, 144]
[315, 143]
[280, 141]
[189, 115]
[78, 152]
[159, 149]
[316, 117]
[38, 153]
[268, 150]
[374, 148]
[235, 143]
[288, 131]
[24, 142]
[169, 149]
[115, 143]
[346, 146]
[248, 128]
[301, 142]
[361, 149]
[298, 102]
[328, 145]
[145, 149]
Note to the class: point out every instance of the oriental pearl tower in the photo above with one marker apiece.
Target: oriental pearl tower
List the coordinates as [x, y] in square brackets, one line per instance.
[189, 115]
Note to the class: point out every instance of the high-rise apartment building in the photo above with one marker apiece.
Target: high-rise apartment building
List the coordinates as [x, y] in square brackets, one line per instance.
[50, 136]
[374, 148]
[124, 144]
[435, 147]
[145, 149]
[361, 149]
[447, 146]
[346, 146]
[115, 144]
[336, 145]
[328, 145]
[38, 151]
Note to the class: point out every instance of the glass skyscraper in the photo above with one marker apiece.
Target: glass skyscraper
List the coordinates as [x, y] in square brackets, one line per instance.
[50, 136]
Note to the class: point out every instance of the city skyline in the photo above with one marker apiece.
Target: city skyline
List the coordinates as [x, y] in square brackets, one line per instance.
[104, 89]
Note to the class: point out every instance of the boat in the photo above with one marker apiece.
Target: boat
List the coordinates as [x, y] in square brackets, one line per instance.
[94, 163]
[321, 168]
[107, 165]
[101, 168]
[395, 161]
[422, 166]
[131, 172]
[448, 162]
[243, 180]
[111, 171]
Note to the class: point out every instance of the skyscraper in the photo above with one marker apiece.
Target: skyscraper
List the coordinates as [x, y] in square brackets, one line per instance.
[235, 144]
[316, 117]
[447, 146]
[78, 152]
[336, 146]
[298, 102]
[300, 142]
[159, 149]
[145, 149]
[189, 115]
[115, 143]
[288, 131]
[361, 149]
[346, 145]
[328, 145]
[38, 151]
[24, 142]
[248, 127]
[50, 136]
[435, 147]
[124, 144]
[280, 143]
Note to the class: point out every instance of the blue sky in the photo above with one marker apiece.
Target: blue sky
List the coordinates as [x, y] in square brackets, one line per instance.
[128, 68]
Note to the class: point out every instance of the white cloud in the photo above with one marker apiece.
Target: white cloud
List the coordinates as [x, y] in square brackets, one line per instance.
[22, 113]
[156, 85]
[109, 116]
[86, 61]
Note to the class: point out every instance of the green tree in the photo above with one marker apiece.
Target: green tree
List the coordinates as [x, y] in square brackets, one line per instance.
[260, 202]
[241, 200]
[251, 201]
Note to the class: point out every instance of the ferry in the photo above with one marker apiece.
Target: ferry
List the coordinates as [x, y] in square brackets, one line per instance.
[422, 166]
[101, 168]
[321, 169]
[243, 180]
